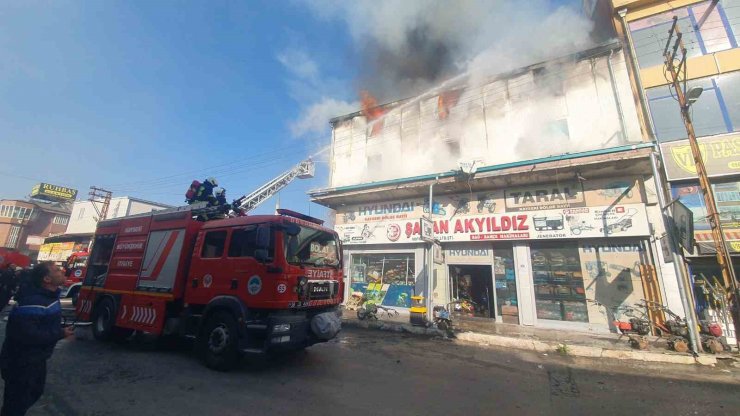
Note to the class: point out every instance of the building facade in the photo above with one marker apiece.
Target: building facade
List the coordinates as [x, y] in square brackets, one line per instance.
[25, 224]
[542, 196]
[710, 32]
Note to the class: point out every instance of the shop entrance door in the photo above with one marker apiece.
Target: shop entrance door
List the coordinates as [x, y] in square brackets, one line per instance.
[473, 287]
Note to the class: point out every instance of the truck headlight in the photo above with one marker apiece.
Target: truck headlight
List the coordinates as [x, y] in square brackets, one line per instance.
[280, 328]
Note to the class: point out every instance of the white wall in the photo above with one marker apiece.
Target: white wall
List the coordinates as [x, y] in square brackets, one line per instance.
[84, 216]
[507, 120]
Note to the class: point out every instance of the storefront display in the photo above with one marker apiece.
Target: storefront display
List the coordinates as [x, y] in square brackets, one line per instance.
[472, 286]
[558, 282]
[505, 278]
[386, 279]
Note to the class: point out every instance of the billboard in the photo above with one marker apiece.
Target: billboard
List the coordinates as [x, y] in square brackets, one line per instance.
[49, 192]
[721, 157]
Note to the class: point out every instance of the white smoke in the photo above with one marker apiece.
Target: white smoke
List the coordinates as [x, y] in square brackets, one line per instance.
[423, 48]
[314, 119]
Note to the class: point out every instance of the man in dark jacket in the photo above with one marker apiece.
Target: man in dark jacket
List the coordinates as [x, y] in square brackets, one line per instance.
[8, 284]
[34, 327]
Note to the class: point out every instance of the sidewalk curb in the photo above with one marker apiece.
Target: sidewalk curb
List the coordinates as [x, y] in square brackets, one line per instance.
[537, 345]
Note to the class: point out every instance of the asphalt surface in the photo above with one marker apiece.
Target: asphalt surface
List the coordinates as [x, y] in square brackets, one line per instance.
[366, 372]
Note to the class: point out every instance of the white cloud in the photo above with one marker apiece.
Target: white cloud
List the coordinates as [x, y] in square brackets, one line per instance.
[298, 63]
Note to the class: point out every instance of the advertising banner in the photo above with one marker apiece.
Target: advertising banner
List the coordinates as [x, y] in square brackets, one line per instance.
[727, 197]
[721, 156]
[626, 220]
[51, 192]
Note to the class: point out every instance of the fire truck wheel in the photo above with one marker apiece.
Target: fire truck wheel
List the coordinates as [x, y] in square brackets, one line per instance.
[104, 320]
[74, 295]
[218, 342]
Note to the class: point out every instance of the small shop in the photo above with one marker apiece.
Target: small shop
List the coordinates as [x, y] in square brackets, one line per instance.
[529, 256]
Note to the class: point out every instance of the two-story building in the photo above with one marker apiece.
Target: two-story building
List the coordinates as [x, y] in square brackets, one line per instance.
[542, 196]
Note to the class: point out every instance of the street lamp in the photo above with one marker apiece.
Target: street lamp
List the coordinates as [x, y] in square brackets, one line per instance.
[693, 94]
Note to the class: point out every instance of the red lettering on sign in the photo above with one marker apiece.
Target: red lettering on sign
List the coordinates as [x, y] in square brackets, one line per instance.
[444, 227]
[505, 223]
[469, 226]
[494, 226]
[459, 227]
[522, 225]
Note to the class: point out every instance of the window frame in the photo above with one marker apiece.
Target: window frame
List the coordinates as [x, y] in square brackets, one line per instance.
[205, 241]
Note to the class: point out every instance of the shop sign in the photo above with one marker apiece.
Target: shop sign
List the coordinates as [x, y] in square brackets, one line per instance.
[683, 225]
[721, 156]
[627, 220]
[427, 230]
[593, 192]
[53, 192]
[468, 254]
[544, 197]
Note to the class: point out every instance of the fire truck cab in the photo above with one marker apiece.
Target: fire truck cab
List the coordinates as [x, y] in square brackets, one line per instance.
[250, 284]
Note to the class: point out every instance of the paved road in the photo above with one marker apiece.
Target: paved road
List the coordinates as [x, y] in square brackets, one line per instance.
[376, 373]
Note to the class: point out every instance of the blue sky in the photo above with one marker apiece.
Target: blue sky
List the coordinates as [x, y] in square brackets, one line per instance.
[141, 97]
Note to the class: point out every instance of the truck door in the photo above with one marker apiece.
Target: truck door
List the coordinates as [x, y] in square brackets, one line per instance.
[247, 277]
[207, 271]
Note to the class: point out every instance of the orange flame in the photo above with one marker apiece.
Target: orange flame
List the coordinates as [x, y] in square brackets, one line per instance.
[371, 110]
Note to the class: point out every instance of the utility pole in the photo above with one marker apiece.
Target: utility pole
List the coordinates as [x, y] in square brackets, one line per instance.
[100, 195]
[723, 256]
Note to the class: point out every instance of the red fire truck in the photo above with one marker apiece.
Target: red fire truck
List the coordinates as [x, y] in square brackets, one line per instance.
[74, 270]
[242, 285]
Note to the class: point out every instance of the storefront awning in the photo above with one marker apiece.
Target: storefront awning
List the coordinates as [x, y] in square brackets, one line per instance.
[705, 242]
[618, 161]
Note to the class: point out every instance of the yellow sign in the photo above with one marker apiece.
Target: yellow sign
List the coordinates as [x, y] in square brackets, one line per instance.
[721, 156]
[53, 192]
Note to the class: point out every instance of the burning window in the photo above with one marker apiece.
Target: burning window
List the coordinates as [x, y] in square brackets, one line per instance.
[547, 82]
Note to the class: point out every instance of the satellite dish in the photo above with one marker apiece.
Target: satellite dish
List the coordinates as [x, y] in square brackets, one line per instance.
[469, 167]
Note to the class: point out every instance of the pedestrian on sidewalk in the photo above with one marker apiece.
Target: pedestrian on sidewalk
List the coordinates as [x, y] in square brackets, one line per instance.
[34, 327]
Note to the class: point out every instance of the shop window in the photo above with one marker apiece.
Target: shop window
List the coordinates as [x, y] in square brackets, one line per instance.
[558, 282]
[505, 278]
[472, 289]
[386, 279]
[710, 113]
[727, 197]
[213, 246]
[717, 33]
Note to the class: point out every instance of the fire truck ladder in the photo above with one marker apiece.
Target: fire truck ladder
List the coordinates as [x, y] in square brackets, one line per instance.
[303, 170]
[246, 203]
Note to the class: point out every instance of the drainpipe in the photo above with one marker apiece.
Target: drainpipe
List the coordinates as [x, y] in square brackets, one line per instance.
[430, 255]
[683, 282]
[617, 101]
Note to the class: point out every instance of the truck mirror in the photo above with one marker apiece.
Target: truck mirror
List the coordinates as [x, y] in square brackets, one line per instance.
[261, 255]
[263, 236]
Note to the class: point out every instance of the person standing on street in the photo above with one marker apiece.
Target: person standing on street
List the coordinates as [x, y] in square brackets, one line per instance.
[34, 327]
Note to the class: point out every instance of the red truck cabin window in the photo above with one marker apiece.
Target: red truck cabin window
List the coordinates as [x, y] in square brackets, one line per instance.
[213, 244]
